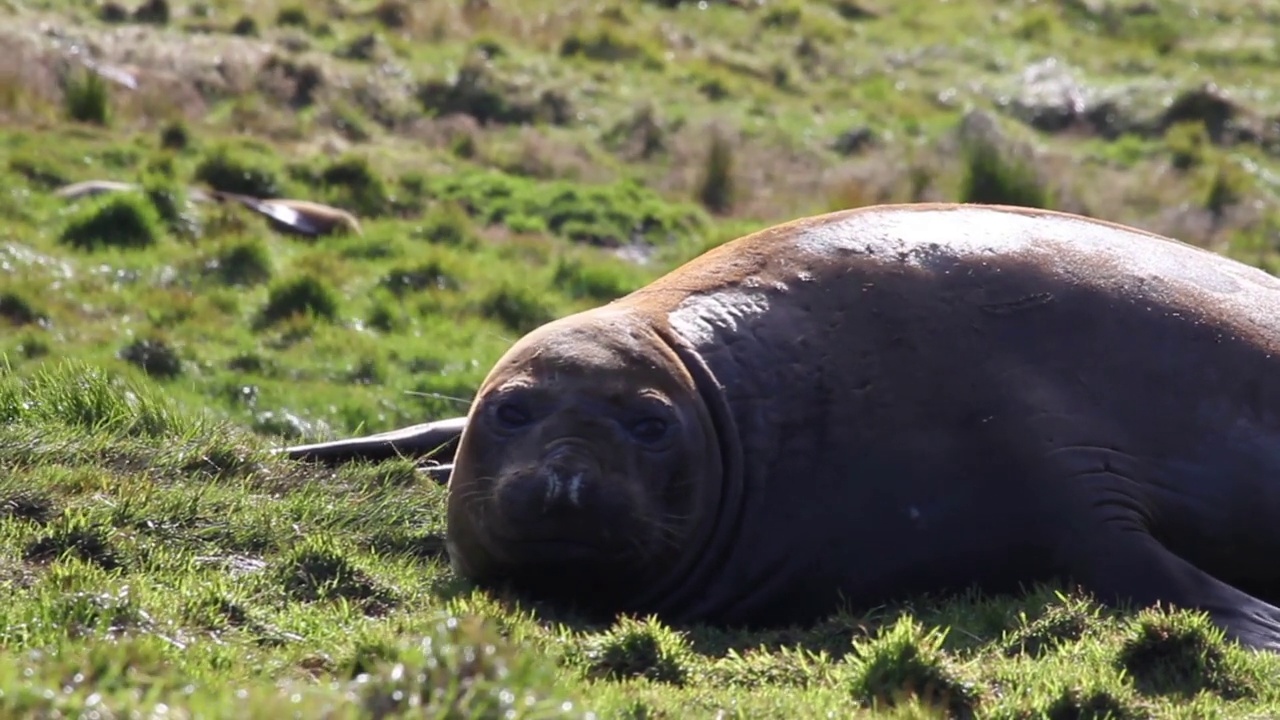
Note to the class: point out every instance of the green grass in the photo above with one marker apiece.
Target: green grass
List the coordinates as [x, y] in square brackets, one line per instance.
[510, 165]
[159, 556]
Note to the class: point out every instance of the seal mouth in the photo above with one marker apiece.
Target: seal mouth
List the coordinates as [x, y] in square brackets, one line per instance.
[559, 548]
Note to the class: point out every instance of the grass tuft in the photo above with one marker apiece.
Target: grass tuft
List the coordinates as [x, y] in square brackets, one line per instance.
[464, 669]
[353, 184]
[170, 201]
[17, 310]
[78, 396]
[175, 135]
[785, 667]
[1228, 186]
[904, 663]
[578, 278]
[155, 12]
[447, 224]
[86, 98]
[245, 26]
[637, 647]
[1188, 144]
[1183, 653]
[125, 220]
[34, 505]
[1075, 703]
[412, 279]
[992, 177]
[41, 172]
[234, 170]
[1061, 624]
[243, 262]
[74, 537]
[304, 295]
[717, 189]
[607, 45]
[479, 91]
[154, 356]
[317, 571]
[517, 307]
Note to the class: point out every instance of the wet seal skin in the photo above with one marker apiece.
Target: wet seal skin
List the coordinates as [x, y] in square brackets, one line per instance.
[861, 406]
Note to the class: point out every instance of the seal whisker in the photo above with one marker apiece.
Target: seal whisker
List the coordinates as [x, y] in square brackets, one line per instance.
[481, 492]
[634, 548]
[465, 402]
[668, 534]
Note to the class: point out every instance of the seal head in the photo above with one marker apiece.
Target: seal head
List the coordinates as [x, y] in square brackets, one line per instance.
[589, 460]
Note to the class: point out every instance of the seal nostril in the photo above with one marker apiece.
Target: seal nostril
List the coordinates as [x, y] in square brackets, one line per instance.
[551, 492]
[551, 482]
[564, 489]
[575, 490]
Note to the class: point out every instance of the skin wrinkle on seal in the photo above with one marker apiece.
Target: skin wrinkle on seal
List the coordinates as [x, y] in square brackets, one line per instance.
[999, 395]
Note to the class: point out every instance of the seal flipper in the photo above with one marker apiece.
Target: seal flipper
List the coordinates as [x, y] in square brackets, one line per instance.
[1129, 565]
[438, 440]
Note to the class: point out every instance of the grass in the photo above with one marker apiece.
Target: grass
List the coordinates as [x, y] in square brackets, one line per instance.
[508, 167]
[159, 556]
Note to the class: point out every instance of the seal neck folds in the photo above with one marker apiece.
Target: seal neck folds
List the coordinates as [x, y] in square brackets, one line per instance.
[721, 493]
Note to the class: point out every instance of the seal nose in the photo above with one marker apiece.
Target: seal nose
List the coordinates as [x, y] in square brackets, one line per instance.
[563, 487]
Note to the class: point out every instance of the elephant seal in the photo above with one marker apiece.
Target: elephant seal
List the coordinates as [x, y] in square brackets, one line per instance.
[92, 188]
[297, 217]
[856, 407]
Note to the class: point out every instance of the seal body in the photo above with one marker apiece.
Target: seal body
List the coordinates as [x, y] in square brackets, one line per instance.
[886, 401]
[297, 217]
[436, 440]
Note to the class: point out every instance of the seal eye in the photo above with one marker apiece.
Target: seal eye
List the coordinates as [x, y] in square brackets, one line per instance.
[511, 415]
[648, 430]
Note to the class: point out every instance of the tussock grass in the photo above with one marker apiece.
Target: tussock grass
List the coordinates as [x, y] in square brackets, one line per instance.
[127, 221]
[87, 98]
